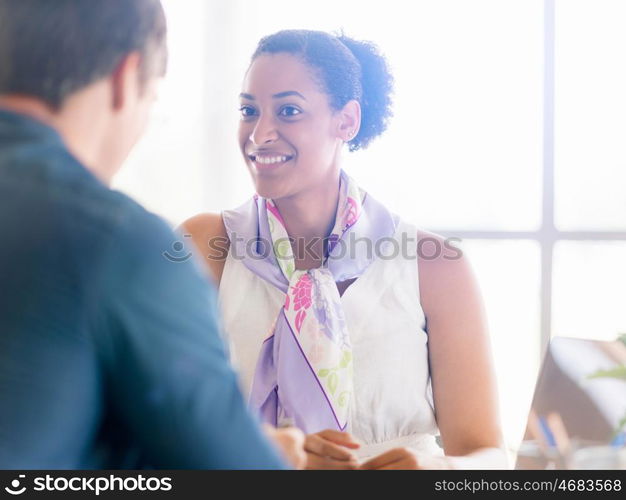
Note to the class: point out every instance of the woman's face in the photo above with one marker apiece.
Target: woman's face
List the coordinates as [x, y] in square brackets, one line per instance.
[289, 136]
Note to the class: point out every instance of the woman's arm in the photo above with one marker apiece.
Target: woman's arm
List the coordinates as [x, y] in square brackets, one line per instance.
[210, 240]
[463, 380]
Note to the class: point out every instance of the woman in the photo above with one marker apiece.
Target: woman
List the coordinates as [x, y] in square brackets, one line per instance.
[328, 335]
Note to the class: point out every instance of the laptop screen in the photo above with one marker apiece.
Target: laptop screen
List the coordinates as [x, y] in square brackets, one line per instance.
[579, 387]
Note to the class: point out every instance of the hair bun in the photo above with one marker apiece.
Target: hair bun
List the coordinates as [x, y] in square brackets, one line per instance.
[377, 83]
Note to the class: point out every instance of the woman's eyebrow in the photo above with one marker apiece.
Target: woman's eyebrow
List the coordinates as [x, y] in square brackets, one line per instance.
[289, 93]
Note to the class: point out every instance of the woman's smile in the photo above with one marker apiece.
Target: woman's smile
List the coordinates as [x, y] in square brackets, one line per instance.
[268, 160]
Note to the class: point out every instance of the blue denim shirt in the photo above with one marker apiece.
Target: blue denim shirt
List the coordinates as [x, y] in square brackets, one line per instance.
[110, 354]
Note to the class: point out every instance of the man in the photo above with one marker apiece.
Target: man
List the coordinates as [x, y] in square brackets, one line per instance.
[110, 355]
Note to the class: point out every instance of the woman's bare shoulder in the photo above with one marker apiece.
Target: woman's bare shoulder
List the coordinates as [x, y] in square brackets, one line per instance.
[206, 223]
[445, 273]
[208, 233]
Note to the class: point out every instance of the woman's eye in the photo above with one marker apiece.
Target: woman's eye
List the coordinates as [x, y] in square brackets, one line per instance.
[247, 111]
[289, 111]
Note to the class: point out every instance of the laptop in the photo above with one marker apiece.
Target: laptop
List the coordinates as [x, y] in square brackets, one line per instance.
[576, 400]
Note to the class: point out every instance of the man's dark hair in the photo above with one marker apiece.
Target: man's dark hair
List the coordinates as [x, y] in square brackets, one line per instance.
[52, 48]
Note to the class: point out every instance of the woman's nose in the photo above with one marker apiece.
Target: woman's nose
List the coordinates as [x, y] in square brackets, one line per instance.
[264, 131]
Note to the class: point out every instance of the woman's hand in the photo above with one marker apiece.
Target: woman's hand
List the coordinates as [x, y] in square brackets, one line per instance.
[290, 441]
[403, 458]
[329, 450]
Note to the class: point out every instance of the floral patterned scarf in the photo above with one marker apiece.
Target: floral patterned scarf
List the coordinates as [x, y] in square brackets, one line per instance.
[304, 372]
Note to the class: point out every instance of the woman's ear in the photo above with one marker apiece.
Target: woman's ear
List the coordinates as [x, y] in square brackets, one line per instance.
[349, 120]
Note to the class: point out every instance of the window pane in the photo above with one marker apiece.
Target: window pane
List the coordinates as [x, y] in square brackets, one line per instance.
[589, 293]
[590, 114]
[509, 275]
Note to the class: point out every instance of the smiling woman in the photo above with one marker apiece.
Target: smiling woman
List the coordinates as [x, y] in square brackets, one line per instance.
[359, 348]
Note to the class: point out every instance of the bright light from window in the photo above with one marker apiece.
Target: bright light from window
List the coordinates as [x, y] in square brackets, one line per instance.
[590, 115]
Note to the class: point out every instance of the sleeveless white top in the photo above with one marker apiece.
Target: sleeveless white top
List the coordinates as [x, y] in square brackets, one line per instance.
[392, 403]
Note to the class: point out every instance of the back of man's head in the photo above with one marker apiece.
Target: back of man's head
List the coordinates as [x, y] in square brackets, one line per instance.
[50, 49]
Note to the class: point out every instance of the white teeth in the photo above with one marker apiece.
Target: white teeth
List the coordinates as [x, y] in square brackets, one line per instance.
[268, 160]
